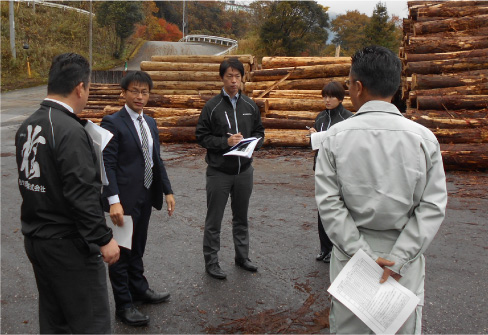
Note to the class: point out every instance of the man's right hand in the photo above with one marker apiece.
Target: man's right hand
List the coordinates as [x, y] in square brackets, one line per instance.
[234, 139]
[110, 252]
[117, 214]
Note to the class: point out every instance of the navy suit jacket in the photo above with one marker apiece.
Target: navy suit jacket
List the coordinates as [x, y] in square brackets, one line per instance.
[124, 163]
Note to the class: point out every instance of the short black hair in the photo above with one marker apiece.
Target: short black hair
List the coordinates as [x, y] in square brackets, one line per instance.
[233, 63]
[67, 71]
[378, 69]
[334, 89]
[140, 77]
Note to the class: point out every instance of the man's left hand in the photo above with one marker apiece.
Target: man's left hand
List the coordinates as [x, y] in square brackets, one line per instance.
[170, 201]
[387, 272]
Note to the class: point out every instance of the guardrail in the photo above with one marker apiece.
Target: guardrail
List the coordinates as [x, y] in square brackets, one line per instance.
[50, 4]
[232, 44]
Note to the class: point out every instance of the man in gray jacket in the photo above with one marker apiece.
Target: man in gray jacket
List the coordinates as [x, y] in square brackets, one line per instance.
[380, 185]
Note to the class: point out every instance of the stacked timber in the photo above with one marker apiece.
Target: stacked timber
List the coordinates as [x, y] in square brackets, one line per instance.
[445, 77]
[287, 91]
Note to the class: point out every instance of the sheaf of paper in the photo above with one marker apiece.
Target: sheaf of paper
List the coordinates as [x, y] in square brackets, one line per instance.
[315, 140]
[100, 137]
[123, 235]
[382, 307]
[244, 148]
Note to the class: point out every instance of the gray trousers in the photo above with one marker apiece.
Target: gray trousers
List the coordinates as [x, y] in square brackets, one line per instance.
[219, 186]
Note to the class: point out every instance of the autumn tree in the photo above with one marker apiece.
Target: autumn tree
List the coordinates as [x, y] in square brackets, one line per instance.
[294, 28]
[349, 31]
[121, 16]
[381, 30]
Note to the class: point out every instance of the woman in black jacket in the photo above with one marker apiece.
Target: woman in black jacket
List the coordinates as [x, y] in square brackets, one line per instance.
[333, 94]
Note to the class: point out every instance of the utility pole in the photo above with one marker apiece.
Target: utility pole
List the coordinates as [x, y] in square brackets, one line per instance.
[91, 35]
[12, 28]
[184, 23]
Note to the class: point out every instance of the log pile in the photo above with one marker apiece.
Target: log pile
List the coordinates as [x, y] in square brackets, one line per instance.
[445, 77]
[287, 91]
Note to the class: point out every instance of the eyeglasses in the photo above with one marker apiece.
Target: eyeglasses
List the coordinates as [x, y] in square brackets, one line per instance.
[136, 93]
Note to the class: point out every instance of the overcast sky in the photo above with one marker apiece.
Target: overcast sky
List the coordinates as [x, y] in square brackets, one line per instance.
[396, 7]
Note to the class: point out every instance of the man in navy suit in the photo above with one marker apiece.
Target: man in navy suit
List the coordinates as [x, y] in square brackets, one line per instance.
[137, 180]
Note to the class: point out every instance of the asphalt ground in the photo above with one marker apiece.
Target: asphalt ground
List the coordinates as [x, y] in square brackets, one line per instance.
[288, 293]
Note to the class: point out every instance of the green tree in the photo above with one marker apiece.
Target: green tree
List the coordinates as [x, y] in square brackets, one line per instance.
[121, 16]
[382, 30]
[294, 28]
[349, 31]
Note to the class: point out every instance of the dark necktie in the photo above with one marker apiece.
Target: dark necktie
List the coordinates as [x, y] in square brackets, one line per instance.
[148, 176]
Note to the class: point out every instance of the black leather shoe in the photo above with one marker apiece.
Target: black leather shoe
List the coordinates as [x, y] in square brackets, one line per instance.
[215, 271]
[246, 265]
[151, 297]
[320, 256]
[132, 317]
[327, 258]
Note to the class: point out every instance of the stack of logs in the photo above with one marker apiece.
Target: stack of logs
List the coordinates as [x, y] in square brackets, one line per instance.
[445, 81]
[287, 91]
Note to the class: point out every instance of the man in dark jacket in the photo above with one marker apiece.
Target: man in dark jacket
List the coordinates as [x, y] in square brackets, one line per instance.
[64, 228]
[225, 120]
[137, 180]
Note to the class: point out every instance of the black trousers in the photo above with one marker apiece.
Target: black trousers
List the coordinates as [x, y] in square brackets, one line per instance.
[72, 285]
[127, 275]
[325, 242]
[219, 186]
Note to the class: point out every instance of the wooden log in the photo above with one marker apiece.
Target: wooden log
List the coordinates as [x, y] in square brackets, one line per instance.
[420, 81]
[278, 62]
[286, 138]
[454, 114]
[453, 102]
[177, 134]
[449, 123]
[448, 65]
[300, 94]
[91, 114]
[178, 101]
[169, 66]
[178, 121]
[104, 102]
[292, 115]
[188, 85]
[465, 135]
[249, 59]
[479, 89]
[426, 45]
[483, 31]
[280, 123]
[465, 156]
[296, 84]
[301, 104]
[159, 112]
[303, 72]
[186, 92]
[447, 11]
[184, 75]
[459, 55]
[453, 24]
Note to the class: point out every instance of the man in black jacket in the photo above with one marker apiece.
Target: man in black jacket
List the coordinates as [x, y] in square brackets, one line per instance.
[225, 120]
[64, 228]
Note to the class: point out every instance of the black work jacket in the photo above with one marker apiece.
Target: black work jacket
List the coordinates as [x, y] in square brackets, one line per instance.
[219, 118]
[58, 177]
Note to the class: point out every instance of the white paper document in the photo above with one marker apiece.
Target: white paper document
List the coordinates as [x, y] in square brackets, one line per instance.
[244, 148]
[123, 235]
[100, 138]
[315, 140]
[382, 307]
